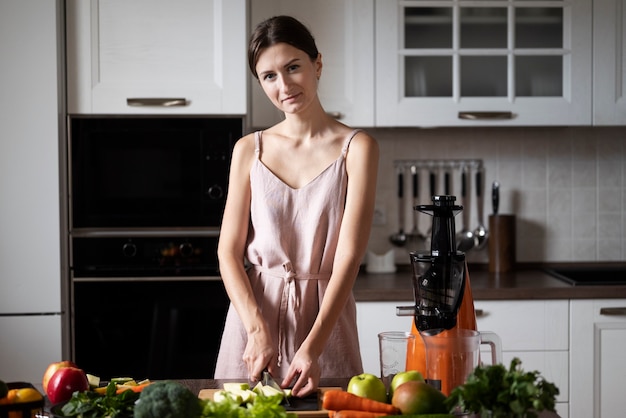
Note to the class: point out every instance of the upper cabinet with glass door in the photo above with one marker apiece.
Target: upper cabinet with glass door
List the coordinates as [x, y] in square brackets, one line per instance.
[483, 62]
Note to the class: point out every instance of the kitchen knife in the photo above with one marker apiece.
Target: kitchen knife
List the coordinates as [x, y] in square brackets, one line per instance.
[268, 380]
[415, 184]
[415, 177]
[495, 197]
[433, 182]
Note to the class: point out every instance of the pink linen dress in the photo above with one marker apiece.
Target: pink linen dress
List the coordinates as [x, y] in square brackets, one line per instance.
[291, 246]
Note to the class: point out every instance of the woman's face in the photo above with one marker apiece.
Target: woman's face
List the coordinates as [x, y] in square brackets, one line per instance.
[288, 77]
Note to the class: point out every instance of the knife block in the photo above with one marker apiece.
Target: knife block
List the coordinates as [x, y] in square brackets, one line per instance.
[501, 243]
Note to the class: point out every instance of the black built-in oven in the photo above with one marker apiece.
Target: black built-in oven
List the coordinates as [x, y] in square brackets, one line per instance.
[146, 198]
[149, 172]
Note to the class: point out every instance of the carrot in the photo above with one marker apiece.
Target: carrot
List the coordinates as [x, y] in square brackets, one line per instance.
[358, 414]
[339, 400]
[134, 388]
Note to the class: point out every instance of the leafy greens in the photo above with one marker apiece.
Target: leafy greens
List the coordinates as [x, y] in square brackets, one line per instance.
[89, 404]
[504, 393]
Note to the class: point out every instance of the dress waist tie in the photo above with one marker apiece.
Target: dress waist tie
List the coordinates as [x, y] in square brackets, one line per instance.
[290, 297]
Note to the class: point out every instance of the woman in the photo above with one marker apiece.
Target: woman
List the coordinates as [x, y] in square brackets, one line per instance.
[299, 209]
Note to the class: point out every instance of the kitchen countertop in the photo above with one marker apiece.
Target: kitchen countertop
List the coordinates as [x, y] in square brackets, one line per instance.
[524, 283]
[195, 385]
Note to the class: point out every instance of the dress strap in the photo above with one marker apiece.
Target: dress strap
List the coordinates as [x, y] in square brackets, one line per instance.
[346, 144]
[257, 143]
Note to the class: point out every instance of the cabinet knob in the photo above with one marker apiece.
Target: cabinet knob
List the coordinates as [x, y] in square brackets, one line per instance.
[215, 192]
[157, 101]
[129, 250]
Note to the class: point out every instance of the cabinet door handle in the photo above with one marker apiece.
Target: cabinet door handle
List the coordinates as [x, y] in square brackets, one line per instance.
[485, 115]
[157, 101]
[479, 312]
[613, 311]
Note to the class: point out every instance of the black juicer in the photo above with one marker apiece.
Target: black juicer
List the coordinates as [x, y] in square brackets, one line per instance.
[439, 276]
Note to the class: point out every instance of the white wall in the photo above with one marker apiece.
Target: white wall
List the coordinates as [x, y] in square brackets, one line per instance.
[567, 186]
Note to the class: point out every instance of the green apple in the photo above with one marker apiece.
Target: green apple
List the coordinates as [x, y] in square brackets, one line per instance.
[403, 377]
[367, 385]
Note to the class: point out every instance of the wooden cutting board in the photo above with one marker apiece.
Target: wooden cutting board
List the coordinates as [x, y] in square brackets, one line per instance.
[309, 407]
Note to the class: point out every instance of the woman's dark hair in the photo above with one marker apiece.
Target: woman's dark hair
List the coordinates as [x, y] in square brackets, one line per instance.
[280, 29]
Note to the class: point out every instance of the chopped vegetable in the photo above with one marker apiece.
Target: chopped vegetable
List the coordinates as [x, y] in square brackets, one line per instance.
[135, 388]
[121, 380]
[234, 386]
[339, 400]
[269, 391]
[511, 392]
[261, 406]
[94, 381]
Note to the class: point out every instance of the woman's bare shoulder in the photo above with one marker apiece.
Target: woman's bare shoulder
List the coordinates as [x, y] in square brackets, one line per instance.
[244, 148]
[363, 142]
[243, 155]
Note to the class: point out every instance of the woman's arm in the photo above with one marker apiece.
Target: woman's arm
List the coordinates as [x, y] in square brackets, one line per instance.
[231, 250]
[362, 168]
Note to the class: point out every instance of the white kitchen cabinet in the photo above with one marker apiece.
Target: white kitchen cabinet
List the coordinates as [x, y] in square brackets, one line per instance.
[344, 34]
[598, 362]
[483, 63]
[609, 62]
[30, 243]
[156, 57]
[536, 332]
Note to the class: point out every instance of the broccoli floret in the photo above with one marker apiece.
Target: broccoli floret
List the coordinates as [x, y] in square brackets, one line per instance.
[167, 399]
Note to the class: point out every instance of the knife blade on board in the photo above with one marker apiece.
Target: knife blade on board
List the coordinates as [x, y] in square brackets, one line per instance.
[268, 380]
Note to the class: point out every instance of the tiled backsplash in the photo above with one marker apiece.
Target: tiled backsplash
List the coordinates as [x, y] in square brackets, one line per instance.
[566, 186]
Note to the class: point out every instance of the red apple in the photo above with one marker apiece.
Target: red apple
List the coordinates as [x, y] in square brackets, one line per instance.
[367, 385]
[64, 382]
[53, 367]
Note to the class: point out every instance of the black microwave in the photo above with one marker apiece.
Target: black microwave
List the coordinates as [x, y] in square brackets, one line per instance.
[149, 171]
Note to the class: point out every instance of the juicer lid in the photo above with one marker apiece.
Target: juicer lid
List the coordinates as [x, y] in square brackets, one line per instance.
[442, 205]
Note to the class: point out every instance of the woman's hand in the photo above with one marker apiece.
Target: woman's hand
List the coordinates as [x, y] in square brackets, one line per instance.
[258, 353]
[304, 370]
